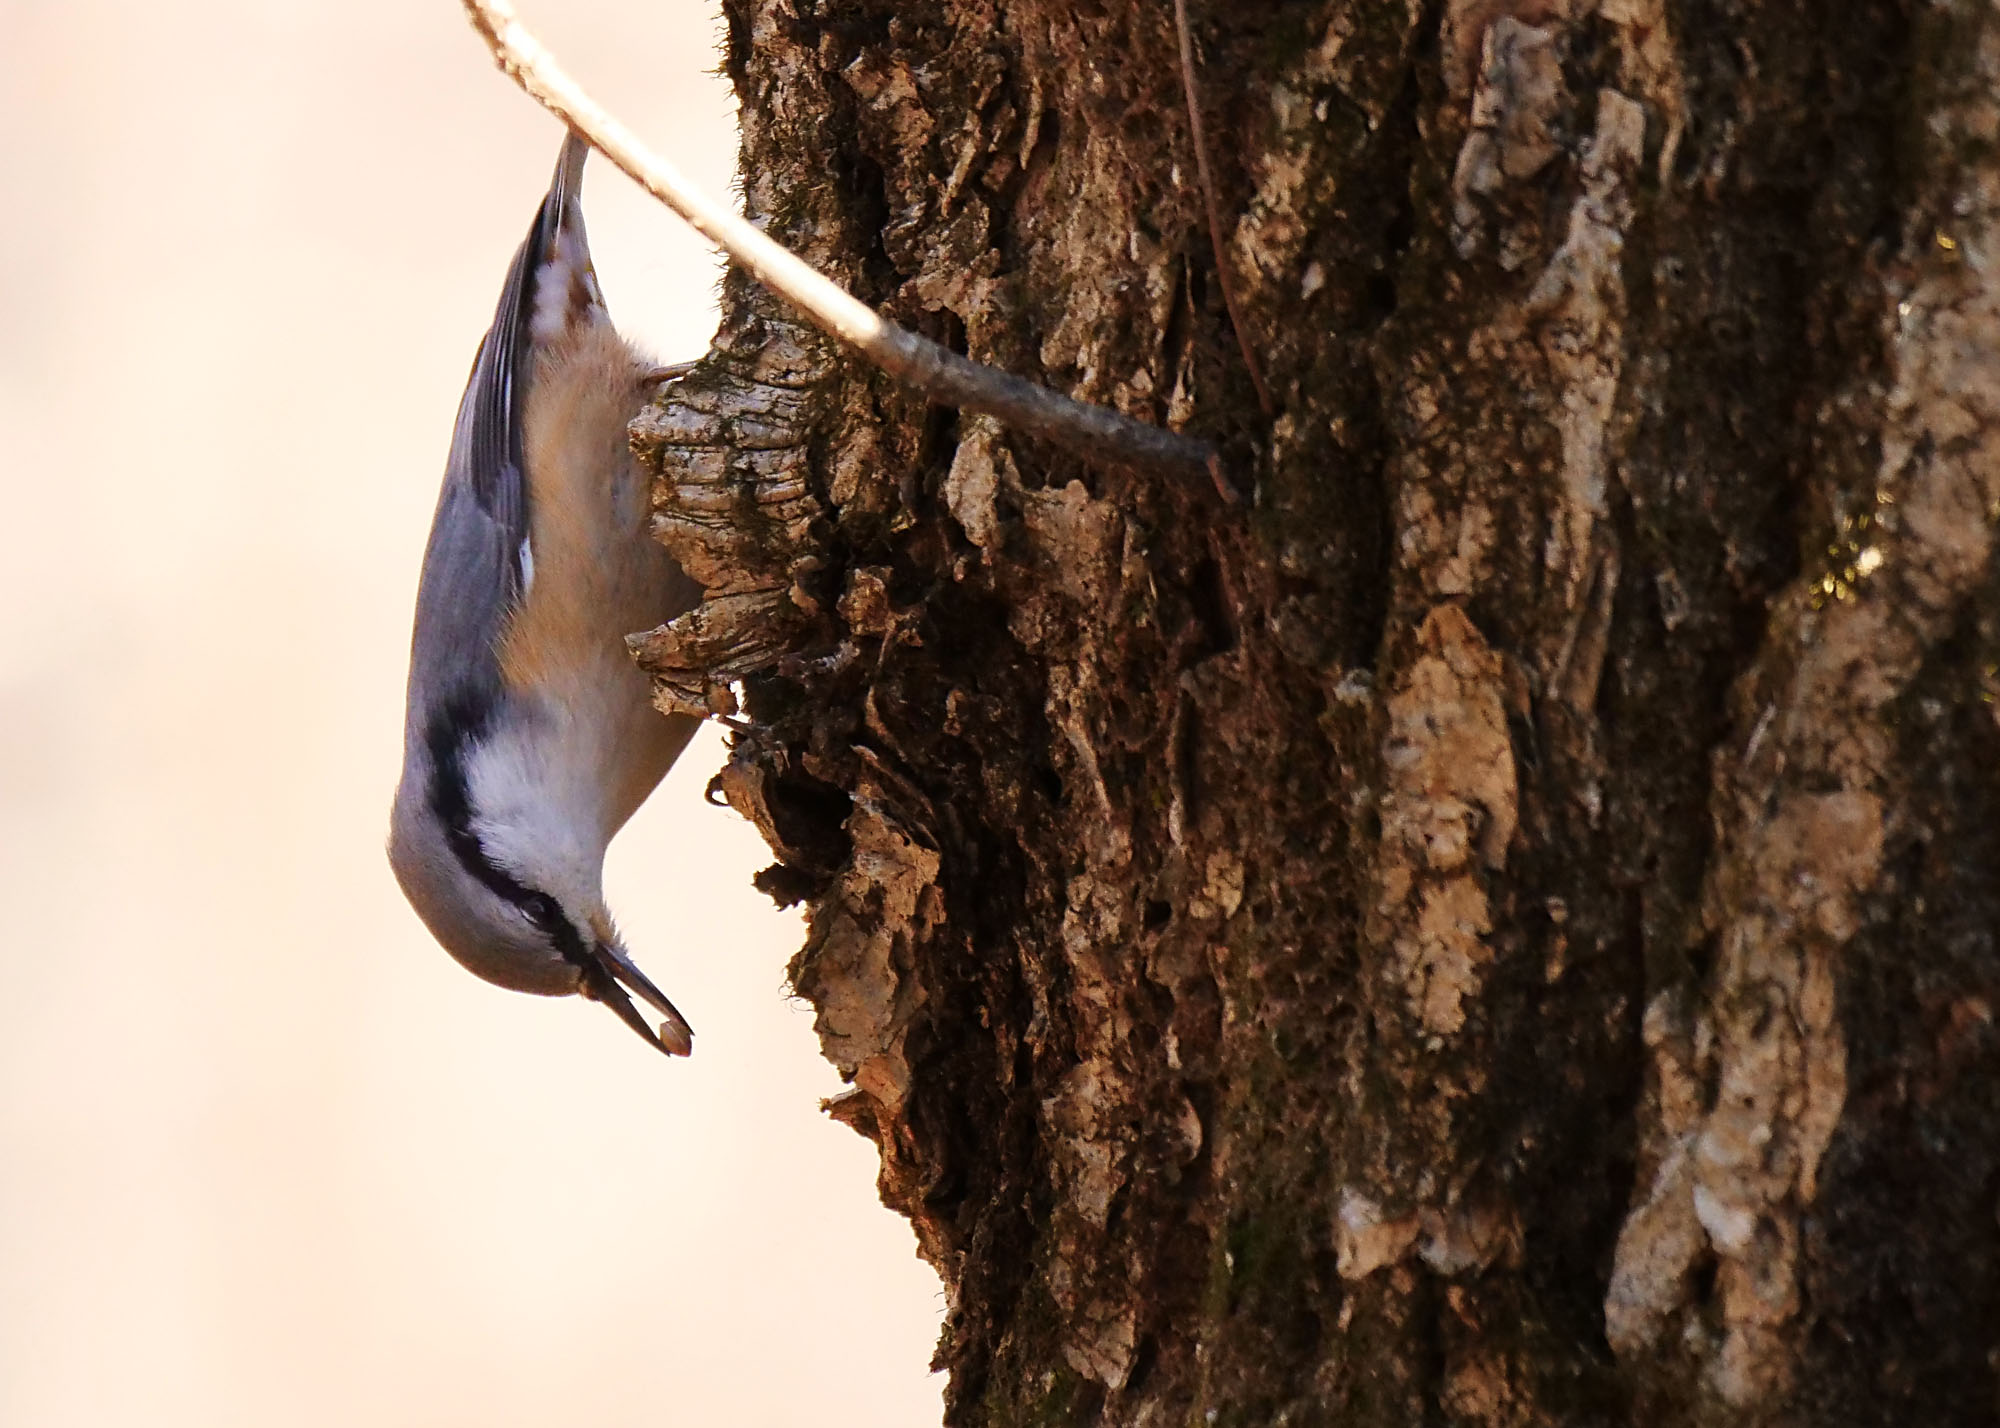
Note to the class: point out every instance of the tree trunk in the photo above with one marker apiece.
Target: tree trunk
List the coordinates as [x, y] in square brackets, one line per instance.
[1499, 929]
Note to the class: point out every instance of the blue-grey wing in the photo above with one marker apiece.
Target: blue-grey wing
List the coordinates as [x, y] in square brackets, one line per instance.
[476, 564]
[465, 596]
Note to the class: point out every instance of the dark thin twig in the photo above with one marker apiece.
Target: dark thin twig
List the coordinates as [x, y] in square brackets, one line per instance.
[940, 374]
[1214, 214]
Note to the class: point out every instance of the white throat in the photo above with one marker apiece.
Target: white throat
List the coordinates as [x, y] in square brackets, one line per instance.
[539, 811]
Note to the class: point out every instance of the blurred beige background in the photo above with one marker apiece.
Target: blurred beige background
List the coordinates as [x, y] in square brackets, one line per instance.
[267, 1156]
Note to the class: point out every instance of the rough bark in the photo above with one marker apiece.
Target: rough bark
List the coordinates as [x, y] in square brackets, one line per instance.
[1502, 930]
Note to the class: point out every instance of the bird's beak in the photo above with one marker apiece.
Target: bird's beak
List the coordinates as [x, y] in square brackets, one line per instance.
[614, 974]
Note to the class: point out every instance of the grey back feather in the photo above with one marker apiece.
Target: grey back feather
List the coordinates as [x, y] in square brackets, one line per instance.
[472, 574]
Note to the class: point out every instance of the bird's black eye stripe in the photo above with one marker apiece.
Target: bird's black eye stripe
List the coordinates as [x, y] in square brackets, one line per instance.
[458, 723]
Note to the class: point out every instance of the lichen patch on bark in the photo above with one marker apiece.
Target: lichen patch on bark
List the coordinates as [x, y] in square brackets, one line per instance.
[1448, 810]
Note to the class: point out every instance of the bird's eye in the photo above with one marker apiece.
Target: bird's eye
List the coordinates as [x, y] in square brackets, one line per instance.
[552, 922]
[542, 910]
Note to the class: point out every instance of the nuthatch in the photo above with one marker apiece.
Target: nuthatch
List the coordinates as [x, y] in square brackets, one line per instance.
[530, 736]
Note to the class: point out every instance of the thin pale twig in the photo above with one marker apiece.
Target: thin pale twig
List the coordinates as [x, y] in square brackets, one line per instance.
[1214, 214]
[940, 374]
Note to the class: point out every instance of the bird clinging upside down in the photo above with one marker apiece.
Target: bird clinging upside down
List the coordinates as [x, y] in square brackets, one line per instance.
[530, 736]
